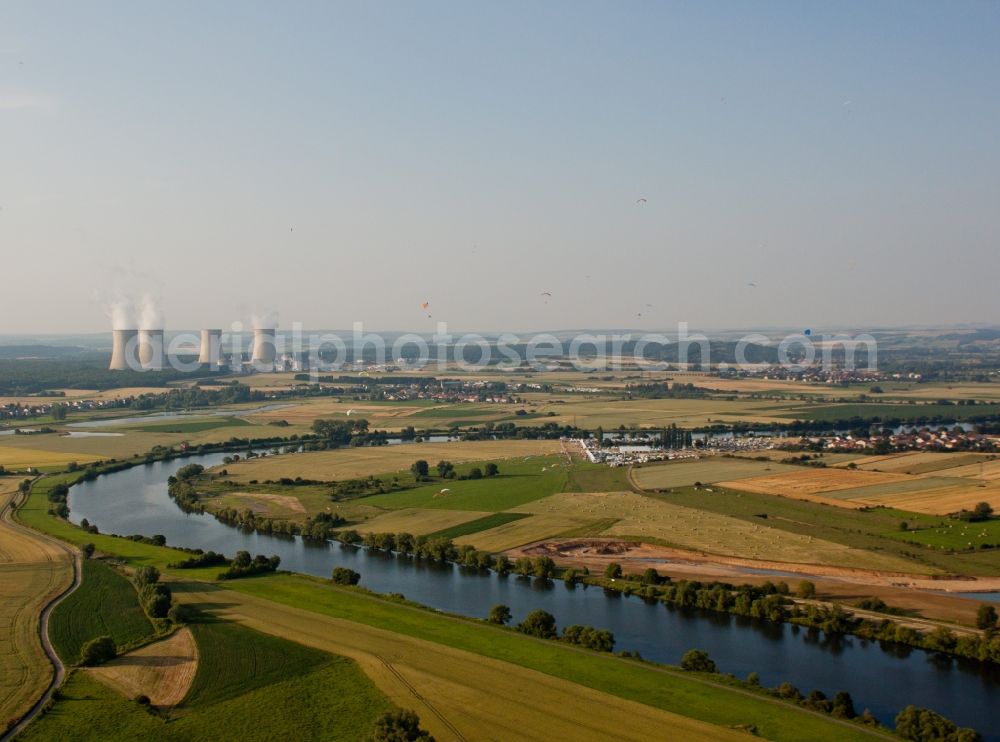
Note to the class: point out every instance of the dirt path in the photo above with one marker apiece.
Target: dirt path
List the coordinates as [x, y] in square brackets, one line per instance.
[163, 670]
[46, 571]
[461, 695]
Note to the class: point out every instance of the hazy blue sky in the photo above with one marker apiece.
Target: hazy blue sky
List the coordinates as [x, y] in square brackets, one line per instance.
[348, 161]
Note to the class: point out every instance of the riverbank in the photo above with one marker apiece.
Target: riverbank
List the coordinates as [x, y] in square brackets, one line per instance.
[910, 592]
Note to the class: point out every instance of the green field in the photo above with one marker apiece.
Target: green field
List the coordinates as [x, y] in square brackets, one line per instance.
[520, 481]
[479, 524]
[249, 686]
[105, 604]
[191, 426]
[953, 534]
[233, 660]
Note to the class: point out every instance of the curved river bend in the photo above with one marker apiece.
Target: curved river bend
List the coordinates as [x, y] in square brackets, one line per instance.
[135, 501]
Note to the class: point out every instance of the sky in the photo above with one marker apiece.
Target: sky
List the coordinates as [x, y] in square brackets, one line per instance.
[642, 162]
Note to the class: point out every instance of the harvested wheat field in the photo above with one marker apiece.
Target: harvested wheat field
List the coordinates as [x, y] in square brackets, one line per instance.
[163, 670]
[808, 482]
[32, 572]
[709, 469]
[941, 501]
[645, 517]
[919, 462]
[417, 521]
[352, 463]
[523, 531]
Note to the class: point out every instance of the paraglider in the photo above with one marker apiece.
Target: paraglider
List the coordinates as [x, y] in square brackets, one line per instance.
[752, 285]
[546, 296]
[640, 200]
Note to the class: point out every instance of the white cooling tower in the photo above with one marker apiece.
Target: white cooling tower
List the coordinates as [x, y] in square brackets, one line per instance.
[151, 350]
[211, 348]
[123, 352]
[264, 351]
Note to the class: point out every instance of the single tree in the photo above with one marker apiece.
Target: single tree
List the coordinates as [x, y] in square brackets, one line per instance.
[806, 589]
[697, 660]
[544, 566]
[98, 650]
[88, 550]
[399, 726]
[492, 469]
[986, 617]
[539, 623]
[499, 614]
[420, 469]
[345, 576]
[613, 570]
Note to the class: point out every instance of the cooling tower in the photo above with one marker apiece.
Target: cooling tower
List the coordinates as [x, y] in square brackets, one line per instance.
[211, 348]
[123, 352]
[151, 350]
[263, 347]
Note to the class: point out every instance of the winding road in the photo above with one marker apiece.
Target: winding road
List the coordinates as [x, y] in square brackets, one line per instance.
[22, 533]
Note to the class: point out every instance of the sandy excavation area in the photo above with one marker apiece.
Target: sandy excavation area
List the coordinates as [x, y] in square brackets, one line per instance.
[163, 670]
[597, 553]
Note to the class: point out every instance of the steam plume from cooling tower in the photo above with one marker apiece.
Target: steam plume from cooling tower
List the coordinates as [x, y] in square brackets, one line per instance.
[122, 313]
[150, 315]
[266, 321]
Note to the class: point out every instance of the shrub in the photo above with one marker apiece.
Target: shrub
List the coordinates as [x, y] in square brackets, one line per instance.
[539, 623]
[499, 614]
[697, 660]
[98, 651]
[345, 576]
[399, 726]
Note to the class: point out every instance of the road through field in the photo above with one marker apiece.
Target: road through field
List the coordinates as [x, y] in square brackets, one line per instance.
[459, 695]
[35, 572]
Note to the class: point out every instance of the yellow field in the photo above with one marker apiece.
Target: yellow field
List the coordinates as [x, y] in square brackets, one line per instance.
[807, 482]
[32, 572]
[521, 532]
[57, 450]
[940, 501]
[17, 457]
[590, 413]
[416, 521]
[708, 469]
[352, 463]
[920, 462]
[163, 670]
[923, 482]
[688, 528]
[480, 697]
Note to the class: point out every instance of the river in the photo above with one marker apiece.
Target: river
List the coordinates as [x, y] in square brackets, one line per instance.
[881, 678]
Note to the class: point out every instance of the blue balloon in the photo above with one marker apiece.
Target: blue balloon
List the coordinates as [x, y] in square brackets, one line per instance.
[808, 332]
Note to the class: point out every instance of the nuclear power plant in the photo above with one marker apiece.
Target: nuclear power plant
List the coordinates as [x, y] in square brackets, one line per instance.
[264, 350]
[151, 350]
[210, 353]
[124, 351]
[144, 349]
